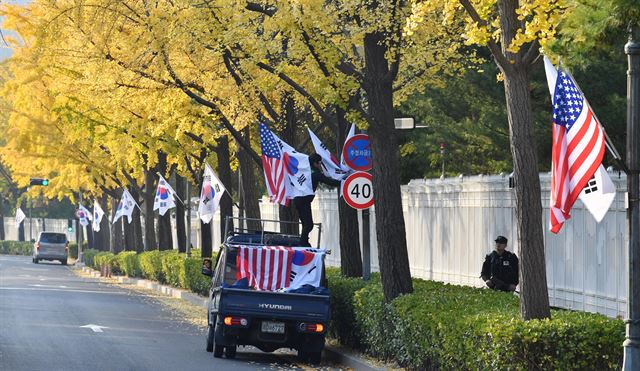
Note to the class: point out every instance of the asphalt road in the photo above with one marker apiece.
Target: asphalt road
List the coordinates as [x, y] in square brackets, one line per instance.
[43, 308]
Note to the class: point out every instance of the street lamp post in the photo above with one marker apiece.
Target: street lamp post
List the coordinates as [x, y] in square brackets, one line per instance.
[632, 342]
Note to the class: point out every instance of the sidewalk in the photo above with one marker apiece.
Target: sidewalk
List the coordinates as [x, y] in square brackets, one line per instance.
[334, 353]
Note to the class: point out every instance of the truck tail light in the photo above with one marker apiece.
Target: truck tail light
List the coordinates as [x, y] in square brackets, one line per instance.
[38, 246]
[311, 327]
[66, 247]
[235, 321]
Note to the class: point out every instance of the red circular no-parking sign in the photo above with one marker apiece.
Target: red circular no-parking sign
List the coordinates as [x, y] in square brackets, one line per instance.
[357, 190]
[357, 152]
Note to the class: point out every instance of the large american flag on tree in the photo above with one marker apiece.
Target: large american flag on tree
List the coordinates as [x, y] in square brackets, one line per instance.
[274, 166]
[578, 145]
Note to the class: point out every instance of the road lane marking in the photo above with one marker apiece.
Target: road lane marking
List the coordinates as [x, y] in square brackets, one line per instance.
[55, 286]
[94, 328]
[64, 290]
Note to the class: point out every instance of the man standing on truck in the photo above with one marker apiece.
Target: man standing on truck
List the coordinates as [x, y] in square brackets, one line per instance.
[303, 203]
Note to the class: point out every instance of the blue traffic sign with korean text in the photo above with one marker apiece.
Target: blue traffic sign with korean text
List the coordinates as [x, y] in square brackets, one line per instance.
[357, 152]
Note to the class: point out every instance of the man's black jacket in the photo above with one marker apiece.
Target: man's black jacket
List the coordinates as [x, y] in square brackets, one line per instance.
[503, 267]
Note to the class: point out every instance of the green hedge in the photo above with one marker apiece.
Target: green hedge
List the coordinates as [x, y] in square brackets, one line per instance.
[73, 249]
[166, 267]
[16, 248]
[442, 326]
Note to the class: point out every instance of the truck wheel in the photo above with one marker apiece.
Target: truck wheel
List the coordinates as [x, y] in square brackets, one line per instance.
[217, 350]
[209, 338]
[35, 260]
[315, 358]
[63, 261]
[230, 352]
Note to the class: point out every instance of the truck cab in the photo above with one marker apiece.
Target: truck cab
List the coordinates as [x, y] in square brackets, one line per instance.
[269, 293]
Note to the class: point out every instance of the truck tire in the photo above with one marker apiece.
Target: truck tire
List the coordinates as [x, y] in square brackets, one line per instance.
[63, 261]
[315, 358]
[230, 352]
[217, 350]
[210, 338]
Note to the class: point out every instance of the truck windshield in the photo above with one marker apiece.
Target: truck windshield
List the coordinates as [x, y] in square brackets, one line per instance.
[53, 238]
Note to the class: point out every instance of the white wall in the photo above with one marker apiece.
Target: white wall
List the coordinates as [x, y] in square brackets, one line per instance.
[451, 225]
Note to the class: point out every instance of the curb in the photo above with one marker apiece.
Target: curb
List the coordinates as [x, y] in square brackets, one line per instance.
[332, 353]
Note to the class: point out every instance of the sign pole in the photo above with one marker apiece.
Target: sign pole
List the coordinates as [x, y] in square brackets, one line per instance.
[80, 230]
[366, 246]
[632, 343]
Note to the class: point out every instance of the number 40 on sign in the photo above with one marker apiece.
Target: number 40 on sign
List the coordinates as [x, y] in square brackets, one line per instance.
[357, 190]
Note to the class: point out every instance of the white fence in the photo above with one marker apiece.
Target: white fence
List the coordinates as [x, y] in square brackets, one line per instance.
[451, 225]
[37, 226]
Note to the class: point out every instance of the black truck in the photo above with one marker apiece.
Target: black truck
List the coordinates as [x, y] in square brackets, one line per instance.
[239, 314]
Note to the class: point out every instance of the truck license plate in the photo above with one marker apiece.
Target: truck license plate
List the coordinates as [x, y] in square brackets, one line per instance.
[273, 327]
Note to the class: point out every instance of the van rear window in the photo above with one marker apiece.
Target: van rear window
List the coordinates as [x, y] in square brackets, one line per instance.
[53, 238]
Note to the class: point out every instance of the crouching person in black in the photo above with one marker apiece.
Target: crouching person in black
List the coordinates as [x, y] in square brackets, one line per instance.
[500, 268]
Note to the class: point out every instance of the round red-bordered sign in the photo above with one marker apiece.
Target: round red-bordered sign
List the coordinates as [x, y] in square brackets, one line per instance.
[357, 190]
[357, 152]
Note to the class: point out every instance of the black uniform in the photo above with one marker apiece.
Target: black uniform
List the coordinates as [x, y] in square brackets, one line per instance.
[502, 270]
[303, 204]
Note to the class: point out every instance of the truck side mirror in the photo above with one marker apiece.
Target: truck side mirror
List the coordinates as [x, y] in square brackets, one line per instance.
[206, 267]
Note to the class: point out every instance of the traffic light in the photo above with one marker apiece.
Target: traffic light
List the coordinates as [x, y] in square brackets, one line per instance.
[38, 181]
[70, 225]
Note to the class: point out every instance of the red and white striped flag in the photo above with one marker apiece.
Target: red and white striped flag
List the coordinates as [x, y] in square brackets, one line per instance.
[274, 166]
[266, 268]
[578, 144]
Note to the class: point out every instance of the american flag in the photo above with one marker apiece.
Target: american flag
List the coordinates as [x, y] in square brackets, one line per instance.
[274, 167]
[266, 267]
[578, 145]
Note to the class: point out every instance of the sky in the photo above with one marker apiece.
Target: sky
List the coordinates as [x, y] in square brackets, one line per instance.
[5, 51]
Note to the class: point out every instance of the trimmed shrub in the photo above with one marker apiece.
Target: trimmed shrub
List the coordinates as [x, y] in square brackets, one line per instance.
[172, 267]
[89, 255]
[106, 258]
[442, 326]
[343, 290]
[73, 249]
[151, 265]
[16, 248]
[194, 280]
[129, 262]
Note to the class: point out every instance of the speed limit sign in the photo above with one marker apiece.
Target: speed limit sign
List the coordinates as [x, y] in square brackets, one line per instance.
[357, 190]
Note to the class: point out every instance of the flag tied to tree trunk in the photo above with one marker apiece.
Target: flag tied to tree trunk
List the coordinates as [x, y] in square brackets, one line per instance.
[19, 217]
[125, 207]
[98, 213]
[287, 172]
[84, 215]
[210, 195]
[164, 197]
[577, 152]
[278, 268]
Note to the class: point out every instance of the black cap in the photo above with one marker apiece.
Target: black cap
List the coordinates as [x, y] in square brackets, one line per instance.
[501, 239]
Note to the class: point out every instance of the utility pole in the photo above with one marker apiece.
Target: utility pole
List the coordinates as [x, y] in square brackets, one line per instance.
[80, 229]
[30, 206]
[188, 203]
[632, 342]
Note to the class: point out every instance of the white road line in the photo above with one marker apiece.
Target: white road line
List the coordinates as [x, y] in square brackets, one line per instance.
[65, 290]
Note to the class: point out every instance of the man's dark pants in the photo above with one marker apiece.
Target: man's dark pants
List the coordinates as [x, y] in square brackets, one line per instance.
[303, 205]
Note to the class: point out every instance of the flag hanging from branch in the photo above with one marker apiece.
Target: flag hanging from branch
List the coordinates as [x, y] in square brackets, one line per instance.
[287, 172]
[19, 217]
[164, 196]
[125, 207]
[84, 215]
[210, 195]
[332, 168]
[98, 213]
[577, 152]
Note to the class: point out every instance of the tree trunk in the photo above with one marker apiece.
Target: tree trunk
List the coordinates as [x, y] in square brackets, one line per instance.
[249, 181]
[165, 239]
[390, 231]
[117, 241]
[21, 232]
[149, 217]
[350, 256]
[534, 296]
[2, 235]
[289, 213]
[136, 222]
[103, 236]
[181, 227]
[224, 172]
[90, 239]
[207, 240]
